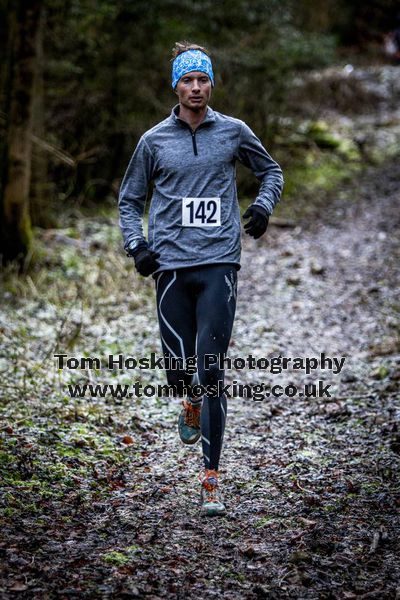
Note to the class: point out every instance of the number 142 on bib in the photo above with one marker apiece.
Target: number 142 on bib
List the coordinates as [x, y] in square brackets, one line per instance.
[201, 212]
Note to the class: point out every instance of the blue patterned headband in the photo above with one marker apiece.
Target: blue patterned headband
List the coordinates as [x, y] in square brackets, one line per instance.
[191, 60]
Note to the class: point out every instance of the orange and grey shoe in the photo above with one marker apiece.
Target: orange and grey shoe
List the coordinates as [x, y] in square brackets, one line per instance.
[211, 498]
[189, 422]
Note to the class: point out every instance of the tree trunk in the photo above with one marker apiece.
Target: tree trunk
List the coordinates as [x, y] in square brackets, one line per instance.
[41, 189]
[15, 219]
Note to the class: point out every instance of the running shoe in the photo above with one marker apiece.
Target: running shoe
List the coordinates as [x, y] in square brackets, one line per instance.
[211, 499]
[189, 422]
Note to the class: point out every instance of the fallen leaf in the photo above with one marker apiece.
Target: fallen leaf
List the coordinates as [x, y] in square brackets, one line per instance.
[127, 439]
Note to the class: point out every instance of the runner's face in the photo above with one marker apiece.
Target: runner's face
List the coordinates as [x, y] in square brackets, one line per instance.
[194, 90]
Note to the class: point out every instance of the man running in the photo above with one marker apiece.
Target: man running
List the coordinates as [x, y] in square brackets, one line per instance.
[193, 248]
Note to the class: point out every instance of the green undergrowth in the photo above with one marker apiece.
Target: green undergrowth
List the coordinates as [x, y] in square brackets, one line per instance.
[317, 174]
[312, 180]
[82, 261]
[321, 160]
[79, 295]
[65, 454]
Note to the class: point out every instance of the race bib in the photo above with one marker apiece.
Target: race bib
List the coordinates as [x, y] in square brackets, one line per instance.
[201, 212]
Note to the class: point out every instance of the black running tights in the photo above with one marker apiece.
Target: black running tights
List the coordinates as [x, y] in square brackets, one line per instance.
[196, 308]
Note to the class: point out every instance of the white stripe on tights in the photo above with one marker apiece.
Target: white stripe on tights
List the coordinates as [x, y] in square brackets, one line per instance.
[162, 338]
[168, 348]
[222, 408]
[165, 320]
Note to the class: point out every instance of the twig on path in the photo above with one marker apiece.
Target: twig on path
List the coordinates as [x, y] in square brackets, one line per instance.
[286, 573]
[297, 484]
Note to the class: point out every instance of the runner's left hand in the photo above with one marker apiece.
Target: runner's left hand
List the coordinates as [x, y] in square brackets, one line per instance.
[258, 223]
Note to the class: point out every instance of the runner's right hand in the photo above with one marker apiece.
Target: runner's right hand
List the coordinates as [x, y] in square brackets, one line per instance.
[145, 260]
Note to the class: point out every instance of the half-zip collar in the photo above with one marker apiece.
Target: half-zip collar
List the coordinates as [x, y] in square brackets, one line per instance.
[209, 118]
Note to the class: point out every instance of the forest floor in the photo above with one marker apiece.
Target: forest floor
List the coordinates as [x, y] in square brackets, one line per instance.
[99, 499]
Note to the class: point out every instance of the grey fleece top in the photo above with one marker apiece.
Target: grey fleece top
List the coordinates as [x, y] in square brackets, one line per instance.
[194, 216]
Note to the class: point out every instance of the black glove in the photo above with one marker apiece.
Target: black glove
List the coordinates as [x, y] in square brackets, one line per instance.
[145, 259]
[258, 221]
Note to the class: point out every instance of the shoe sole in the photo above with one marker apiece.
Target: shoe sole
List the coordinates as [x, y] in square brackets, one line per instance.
[189, 443]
